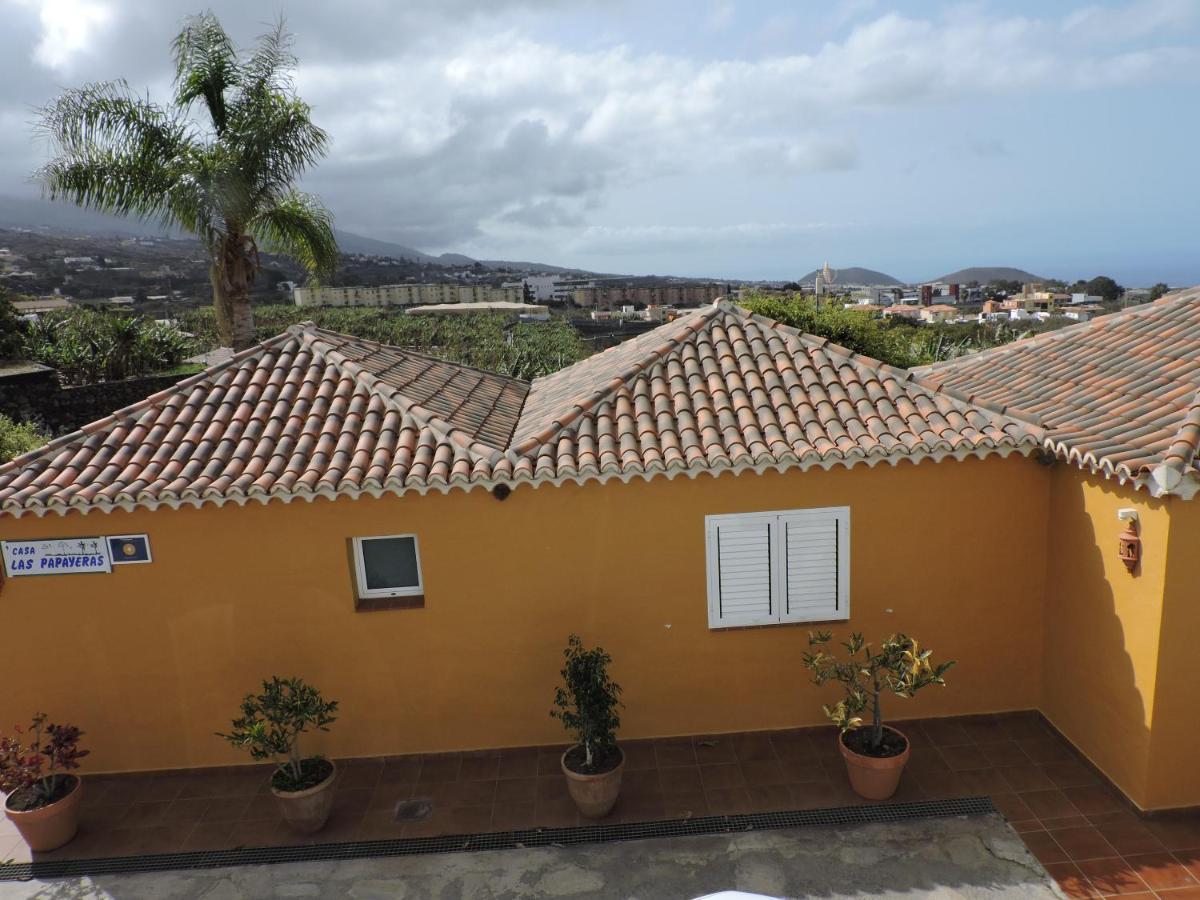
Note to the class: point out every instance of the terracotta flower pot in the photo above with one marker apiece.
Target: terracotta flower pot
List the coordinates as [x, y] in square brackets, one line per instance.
[875, 777]
[595, 795]
[308, 810]
[50, 826]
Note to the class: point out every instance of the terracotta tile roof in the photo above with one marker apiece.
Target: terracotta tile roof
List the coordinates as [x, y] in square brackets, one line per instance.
[312, 413]
[482, 404]
[1119, 394]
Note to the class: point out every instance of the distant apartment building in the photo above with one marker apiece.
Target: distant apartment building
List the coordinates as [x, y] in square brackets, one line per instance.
[108, 302]
[1035, 301]
[904, 310]
[405, 295]
[40, 305]
[940, 291]
[545, 288]
[1082, 312]
[611, 296]
[873, 295]
[938, 312]
[526, 312]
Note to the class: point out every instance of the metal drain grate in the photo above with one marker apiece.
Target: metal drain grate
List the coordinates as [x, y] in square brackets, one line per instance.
[506, 840]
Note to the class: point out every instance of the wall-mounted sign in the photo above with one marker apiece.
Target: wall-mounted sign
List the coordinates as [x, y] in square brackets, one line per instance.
[59, 556]
[129, 548]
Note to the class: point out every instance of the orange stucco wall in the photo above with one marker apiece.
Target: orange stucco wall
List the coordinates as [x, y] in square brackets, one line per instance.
[152, 659]
[1174, 777]
[1103, 625]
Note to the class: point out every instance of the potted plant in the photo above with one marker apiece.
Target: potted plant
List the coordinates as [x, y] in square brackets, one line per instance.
[587, 706]
[875, 754]
[270, 727]
[43, 801]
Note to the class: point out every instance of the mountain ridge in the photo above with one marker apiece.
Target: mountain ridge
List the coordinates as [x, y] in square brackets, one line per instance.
[34, 213]
[985, 274]
[857, 275]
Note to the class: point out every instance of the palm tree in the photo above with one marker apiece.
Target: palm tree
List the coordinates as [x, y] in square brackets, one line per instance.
[228, 179]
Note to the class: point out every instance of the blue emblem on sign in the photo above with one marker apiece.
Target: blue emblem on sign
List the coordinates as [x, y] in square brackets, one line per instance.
[129, 548]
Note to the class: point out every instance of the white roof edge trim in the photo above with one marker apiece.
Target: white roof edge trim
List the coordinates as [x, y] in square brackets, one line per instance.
[1162, 481]
[536, 481]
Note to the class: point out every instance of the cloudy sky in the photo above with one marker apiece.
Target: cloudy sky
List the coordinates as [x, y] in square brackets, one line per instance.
[734, 138]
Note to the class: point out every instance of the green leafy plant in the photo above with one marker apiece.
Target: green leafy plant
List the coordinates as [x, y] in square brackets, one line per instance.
[892, 341]
[88, 346]
[494, 342]
[18, 437]
[899, 667]
[271, 724]
[10, 326]
[34, 774]
[587, 705]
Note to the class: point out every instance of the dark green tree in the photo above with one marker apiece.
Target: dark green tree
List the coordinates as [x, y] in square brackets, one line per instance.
[272, 722]
[899, 667]
[17, 438]
[11, 338]
[1104, 287]
[1158, 290]
[227, 175]
[588, 700]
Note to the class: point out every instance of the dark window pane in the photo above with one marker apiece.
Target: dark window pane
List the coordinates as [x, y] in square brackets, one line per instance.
[390, 563]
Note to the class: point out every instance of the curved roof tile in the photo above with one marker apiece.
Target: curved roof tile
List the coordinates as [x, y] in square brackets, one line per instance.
[1119, 394]
[314, 413]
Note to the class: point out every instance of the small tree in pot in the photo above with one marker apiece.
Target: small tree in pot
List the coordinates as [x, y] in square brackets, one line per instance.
[875, 754]
[587, 705]
[43, 800]
[270, 727]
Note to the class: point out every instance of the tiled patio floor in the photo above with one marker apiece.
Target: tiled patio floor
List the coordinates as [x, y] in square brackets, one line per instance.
[1079, 828]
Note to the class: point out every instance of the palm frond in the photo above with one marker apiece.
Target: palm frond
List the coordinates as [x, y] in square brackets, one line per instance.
[104, 180]
[274, 140]
[269, 129]
[107, 115]
[269, 68]
[206, 66]
[296, 224]
[122, 154]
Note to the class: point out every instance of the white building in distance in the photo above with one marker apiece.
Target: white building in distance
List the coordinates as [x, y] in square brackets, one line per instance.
[404, 295]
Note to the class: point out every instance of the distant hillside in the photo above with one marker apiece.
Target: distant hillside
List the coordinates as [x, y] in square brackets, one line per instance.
[348, 242]
[66, 218]
[985, 274]
[530, 267]
[856, 275]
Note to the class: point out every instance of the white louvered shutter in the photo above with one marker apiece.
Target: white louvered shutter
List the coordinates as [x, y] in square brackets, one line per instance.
[814, 558]
[741, 574]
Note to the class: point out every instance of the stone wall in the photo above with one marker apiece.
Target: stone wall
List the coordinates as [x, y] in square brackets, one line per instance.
[60, 409]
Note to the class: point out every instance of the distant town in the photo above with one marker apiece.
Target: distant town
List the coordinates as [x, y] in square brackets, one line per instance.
[161, 277]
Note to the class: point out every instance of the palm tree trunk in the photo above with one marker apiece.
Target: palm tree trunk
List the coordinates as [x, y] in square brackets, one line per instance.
[233, 267]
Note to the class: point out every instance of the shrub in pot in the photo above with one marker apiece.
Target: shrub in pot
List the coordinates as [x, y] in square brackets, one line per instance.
[875, 753]
[587, 705]
[43, 800]
[270, 728]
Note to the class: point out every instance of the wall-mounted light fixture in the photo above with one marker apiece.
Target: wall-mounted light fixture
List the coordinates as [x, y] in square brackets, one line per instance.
[1129, 545]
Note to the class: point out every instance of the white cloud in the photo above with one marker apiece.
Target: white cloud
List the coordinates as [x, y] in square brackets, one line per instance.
[459, 121]
[604, 239]
[508, 130]
[1139, 19]
[68, 28]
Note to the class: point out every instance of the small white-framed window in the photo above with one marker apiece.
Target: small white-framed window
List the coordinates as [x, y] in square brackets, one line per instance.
[388, 566]
[770, 568]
